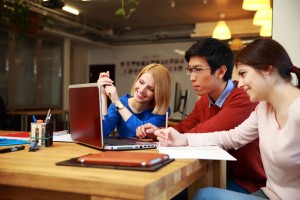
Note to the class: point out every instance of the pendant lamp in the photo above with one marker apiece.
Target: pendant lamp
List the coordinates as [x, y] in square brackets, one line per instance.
[221, 31]
[263, 16]
[255, 4]
[266, 30]
[236, 44]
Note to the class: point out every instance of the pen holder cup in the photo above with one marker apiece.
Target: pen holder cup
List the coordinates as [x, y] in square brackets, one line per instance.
[49, 135]
[42, 133]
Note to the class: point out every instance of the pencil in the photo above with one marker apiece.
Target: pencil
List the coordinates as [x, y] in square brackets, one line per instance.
[167, 115]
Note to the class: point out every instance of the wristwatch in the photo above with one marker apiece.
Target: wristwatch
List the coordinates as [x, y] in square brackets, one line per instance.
[119, 105]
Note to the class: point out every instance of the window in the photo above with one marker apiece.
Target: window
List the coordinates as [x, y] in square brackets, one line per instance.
[4, 65]
[34, 68]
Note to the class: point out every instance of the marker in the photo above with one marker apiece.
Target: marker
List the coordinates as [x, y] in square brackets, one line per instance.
[12, 149]
[34, 118]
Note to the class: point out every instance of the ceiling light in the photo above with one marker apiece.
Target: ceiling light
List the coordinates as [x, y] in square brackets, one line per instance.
[255, 4]
[263, 16]
[71, 10]
[173, 4]
[266, 30]
[180, 52]
[236, 44]
[221, 31]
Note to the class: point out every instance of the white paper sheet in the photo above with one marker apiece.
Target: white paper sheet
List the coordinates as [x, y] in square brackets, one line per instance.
[62, 138]
[205, 153]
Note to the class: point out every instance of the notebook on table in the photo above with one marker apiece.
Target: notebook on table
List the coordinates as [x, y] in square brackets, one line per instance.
[86, 124]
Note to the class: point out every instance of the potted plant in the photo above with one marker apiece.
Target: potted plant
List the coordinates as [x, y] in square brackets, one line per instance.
[17, 16]
[122, 11]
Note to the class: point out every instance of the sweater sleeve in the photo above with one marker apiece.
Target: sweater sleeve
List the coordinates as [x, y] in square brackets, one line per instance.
[110, 120]
[203, 118]
[234, 138]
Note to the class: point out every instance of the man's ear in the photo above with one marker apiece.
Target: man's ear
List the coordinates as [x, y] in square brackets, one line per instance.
[221, 71]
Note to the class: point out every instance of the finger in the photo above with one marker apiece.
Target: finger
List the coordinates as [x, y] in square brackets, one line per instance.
[161, 142]
[139, 133]
[103, 74]
[149, 130]
[166, 137]
[166, 132]
[160, 134]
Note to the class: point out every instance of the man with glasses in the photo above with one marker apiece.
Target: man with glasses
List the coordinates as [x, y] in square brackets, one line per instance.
[222, 106]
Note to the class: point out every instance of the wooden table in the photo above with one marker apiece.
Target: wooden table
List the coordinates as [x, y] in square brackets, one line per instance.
[29, 113]
[34, 175]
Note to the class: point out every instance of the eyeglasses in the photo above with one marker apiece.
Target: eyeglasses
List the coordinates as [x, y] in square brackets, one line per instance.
[196, 70]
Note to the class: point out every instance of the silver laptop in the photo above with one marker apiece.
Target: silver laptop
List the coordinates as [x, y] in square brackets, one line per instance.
[86, 123]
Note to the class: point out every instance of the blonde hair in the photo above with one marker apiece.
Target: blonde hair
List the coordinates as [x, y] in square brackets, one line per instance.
[162, 91]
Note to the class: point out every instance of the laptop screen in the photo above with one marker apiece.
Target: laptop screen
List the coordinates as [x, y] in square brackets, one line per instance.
[84, 108]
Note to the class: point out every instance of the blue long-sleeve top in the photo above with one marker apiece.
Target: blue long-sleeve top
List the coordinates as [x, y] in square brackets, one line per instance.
[113, 119]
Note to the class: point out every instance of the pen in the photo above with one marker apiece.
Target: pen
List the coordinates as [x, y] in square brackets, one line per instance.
[47, 115]
[12, 149]
[167, 116]
[48, 119]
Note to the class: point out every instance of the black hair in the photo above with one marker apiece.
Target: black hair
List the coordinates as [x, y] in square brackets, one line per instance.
[216, 54]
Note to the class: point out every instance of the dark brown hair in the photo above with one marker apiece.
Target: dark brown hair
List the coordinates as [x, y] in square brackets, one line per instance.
[263, 52]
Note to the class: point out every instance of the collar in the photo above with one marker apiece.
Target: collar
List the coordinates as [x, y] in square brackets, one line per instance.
[220, 101]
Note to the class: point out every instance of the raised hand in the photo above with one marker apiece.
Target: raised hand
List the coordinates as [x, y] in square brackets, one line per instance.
[104, 81]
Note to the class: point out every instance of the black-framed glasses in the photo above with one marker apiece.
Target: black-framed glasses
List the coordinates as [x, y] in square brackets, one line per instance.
[195, 71]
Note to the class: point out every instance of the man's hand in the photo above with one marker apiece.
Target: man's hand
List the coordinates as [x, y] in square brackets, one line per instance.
[146, 129]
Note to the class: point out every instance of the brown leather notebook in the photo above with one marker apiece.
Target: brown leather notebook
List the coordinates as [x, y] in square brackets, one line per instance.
[124, 158]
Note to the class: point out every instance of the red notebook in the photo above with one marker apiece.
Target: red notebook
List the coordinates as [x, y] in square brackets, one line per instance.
[17, 135]
[124, 158]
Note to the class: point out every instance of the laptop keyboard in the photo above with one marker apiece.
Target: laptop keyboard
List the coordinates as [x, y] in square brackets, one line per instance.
[116, 141]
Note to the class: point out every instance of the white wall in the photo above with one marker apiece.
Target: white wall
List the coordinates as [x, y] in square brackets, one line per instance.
[286, 27]
[79, 65]
[146, 52]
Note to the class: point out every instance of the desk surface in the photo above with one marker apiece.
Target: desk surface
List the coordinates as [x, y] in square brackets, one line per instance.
[35, 173]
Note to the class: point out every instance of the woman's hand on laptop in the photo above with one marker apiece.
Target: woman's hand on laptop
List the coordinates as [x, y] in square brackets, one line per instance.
[146, 130]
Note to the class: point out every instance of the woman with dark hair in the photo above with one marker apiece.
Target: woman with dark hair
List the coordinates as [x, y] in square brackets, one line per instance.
[264, 69]
[148, 102]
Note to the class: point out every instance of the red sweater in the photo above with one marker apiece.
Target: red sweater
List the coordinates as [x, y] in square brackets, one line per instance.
[248, 170]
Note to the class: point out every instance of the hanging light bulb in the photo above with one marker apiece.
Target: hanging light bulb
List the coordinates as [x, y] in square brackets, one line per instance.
[263, 16]
[221, 31]
[236, 44]
[255, 4]
[266, 30]
[173, 4]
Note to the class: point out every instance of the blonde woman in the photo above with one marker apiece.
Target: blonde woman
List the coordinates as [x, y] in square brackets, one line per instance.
[148, 102]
